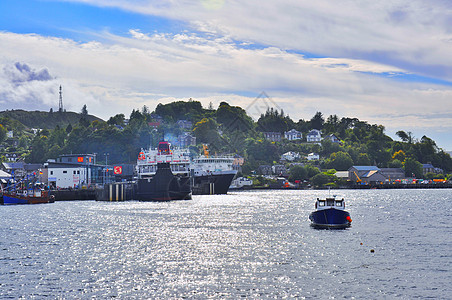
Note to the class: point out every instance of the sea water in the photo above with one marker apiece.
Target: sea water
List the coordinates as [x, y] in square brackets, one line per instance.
[251, 244]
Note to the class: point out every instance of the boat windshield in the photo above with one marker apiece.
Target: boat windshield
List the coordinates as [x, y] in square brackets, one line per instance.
[338, 202]
[330, 202]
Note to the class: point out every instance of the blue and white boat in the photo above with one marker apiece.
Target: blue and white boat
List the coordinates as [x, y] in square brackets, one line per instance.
[330, 213]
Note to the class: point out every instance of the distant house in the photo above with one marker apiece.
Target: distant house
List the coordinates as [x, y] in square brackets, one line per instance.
[332, 138]
[12, 157]
[290, 156]
[154, 125]
[14, 168]
[393, 173]
[35, 130]
[10, 134]
[313, 156]
[185, 124]
[185, 140]
[365, 174]
[273, 136]
[280, 170]
[293, 135]
[314, 136]
[264, 170]
[238, 160]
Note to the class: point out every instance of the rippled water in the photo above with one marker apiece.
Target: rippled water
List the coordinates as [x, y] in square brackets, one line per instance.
[255, 244]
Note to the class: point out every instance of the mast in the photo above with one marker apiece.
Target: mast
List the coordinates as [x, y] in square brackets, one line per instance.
[60, 104]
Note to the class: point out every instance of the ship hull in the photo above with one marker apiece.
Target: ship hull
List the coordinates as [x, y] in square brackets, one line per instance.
[163, 186]
[330, 218]
[17, 199]
[212, 184]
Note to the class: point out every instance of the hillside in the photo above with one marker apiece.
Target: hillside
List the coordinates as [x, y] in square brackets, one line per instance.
[45, 120]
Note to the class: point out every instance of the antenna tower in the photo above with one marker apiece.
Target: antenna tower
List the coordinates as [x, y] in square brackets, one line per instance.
[60, 104]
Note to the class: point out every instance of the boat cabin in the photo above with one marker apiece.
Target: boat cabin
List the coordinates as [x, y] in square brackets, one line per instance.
[330, 203]
[164, 148]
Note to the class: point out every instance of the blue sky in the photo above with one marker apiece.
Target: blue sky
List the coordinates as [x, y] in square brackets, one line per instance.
[386, 63]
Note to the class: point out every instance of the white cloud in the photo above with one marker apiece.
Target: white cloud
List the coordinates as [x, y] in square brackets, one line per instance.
[411, 34]
[115, 74]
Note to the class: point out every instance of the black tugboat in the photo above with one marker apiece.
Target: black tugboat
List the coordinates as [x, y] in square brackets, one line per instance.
[163, 174]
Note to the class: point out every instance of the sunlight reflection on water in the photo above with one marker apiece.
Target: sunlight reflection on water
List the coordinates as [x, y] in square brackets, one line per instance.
[245, 244]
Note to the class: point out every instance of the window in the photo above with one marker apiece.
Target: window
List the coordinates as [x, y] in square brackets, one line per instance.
[64, 172]
[321, 203]
[75, 172]
[78, 172]
[69, 159]
[338, 203]
[51, 172]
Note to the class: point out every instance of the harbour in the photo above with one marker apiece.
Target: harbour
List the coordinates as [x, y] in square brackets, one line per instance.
[246, 244]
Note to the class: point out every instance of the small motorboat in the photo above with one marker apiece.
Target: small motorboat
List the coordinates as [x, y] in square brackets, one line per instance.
[330, 213]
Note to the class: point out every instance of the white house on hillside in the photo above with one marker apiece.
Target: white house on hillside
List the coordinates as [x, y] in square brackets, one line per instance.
[293, 135]
[313, 156]
[314, 136]
[332, 138]
[290, 156]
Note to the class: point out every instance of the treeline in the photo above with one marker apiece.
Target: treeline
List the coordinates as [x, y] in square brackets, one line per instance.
[228, 129]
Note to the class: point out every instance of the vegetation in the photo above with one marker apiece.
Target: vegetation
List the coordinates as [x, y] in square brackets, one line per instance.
[227, 129]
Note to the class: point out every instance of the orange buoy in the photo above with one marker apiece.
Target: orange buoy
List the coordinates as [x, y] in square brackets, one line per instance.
[349, 219]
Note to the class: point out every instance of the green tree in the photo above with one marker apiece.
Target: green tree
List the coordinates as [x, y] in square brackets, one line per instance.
[261, 150]
[400, 155]
[68, 128]
[298, 173]
[3, 133]
[233, 118]
[340, 161]
[312, 171]
[84, 111]
[275, 121]
[206, 131]
[412, 168]
[320, 179]
[117, 120]
[395, 164]
[363, 160]
[317, 121]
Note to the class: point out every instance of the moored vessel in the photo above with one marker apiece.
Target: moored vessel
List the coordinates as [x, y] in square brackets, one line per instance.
[330, 213]
[163, 174]
[212, 174]
[36, 196]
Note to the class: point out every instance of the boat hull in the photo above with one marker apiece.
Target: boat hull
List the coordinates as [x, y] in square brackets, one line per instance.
[163, 186]
[16, 199]
[330, 218]
[212, 184]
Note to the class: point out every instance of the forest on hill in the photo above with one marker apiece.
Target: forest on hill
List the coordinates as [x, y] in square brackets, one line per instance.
[226, 129]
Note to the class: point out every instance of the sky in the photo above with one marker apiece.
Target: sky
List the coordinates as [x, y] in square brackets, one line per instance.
[384, 62]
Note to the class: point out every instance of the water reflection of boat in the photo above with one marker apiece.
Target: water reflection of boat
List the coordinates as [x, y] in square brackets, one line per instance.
[330, 213]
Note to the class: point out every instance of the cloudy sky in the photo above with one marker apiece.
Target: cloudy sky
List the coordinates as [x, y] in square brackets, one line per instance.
[385, 62]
